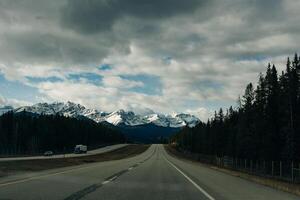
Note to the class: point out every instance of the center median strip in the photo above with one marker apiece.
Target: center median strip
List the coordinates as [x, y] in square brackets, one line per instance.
[19, 167]
[191, 181]
[132, 149]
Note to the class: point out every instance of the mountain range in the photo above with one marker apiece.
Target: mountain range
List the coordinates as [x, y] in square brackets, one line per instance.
[140, 128]
[119, 117]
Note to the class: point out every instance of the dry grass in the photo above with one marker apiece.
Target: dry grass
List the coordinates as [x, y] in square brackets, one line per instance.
[11, 167]
[277, 184]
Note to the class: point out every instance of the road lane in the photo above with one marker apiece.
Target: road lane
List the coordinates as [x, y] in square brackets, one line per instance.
[151, 175]
[60, 183]
[191, 181]
[70, 155]
[225, 186]
[153, 179]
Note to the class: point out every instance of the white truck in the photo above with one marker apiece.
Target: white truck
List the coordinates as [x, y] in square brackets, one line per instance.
[80, 149]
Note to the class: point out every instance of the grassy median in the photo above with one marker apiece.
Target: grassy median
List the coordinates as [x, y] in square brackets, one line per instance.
[12, 167]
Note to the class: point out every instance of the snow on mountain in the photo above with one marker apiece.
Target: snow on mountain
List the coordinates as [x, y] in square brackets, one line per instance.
[97, 116]
[5, 109]
[68, 109]
[178, 120]
[123, 117]
[119, 117]
[162, 120]
[188, 119]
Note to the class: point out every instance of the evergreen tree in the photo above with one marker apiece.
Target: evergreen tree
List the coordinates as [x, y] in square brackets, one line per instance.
[27, 133]
[265, 125]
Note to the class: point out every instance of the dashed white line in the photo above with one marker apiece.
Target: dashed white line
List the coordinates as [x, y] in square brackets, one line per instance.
[109, 180]
[191, 181]
[113, 178]
[105, 182]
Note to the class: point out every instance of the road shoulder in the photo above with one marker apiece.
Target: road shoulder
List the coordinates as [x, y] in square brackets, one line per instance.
[276, 184]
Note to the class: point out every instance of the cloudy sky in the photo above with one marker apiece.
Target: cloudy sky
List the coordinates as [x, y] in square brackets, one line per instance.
[166, 55]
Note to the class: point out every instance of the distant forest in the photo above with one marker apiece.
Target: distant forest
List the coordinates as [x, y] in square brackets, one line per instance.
[265, 124]
[28, 133]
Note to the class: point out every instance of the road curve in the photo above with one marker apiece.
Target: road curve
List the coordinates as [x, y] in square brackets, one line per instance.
[151, 175]
[92, 152]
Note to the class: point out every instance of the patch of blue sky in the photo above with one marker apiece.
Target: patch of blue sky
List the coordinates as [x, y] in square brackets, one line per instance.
[152, 85]
[18, 90]
[93, 78]
[105, 67]
[39, 79]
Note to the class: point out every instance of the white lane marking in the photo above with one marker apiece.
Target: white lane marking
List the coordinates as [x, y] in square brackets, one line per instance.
[130, 168]
[113, 178]
[109, 180]
[105, 182]
[189, 179]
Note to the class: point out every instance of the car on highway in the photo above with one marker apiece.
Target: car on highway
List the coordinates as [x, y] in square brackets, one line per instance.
[48, 153]
[80, 149]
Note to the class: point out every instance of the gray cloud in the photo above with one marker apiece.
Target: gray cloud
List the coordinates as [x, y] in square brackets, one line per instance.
[90, 16]
[48, 48]
[213, 47]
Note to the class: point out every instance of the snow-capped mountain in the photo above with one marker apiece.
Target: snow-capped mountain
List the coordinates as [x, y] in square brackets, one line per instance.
[127, 118]
[119, 117]
[188, 119]
[68, 109]
[177, 120]
[122, 117]
[165, 121]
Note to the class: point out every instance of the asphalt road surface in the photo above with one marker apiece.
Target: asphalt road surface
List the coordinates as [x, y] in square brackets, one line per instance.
[92, 152]
[151, 175]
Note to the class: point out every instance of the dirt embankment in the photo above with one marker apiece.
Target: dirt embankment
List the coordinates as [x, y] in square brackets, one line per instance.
[11, 167]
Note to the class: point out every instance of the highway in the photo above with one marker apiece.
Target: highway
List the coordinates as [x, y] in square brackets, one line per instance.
[92, 152]
[153, 175]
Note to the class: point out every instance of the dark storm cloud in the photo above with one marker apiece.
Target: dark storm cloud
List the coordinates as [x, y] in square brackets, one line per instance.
[45, 48]
[90, 16]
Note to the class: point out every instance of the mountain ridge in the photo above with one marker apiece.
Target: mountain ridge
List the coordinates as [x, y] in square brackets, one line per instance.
[117, 118]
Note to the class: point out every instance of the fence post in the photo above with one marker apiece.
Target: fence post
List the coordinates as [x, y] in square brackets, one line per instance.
[264, 166]
[272, 168]
[245, 164]
[292, 171]
[280, 166]
[251, 165]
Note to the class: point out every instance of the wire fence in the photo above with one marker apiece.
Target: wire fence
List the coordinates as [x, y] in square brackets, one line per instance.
[281, 170]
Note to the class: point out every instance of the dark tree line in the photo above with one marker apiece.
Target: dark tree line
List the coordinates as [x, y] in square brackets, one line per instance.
[265, 125]
[27, 133]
